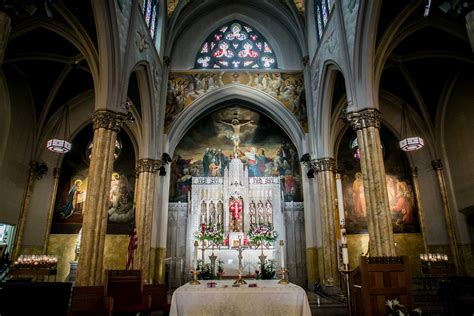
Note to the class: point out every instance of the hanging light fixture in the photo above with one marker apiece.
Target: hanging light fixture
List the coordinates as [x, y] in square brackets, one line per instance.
[60, 144]
[408, 143]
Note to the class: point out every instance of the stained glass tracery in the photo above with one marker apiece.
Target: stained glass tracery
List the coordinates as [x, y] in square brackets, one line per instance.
[322, 12]
[235, 45]
[150, 15]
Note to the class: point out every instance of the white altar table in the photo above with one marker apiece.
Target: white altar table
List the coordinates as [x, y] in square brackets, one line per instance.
[268, 298]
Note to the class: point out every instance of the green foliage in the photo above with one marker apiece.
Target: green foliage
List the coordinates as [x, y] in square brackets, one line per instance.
[267, 270]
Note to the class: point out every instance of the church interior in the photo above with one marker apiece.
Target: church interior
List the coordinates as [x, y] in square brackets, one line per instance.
[152, 148]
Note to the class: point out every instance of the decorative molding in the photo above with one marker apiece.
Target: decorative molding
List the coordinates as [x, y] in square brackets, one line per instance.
[207, 180]
[38, 169]
[108, 120]
[264, 180]
[437, 164]
[325, 164]
[147, 165]
[365, 119]
[141, 41]
[56, 173]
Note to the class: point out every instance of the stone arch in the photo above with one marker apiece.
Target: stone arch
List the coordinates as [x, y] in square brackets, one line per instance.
[262, 102]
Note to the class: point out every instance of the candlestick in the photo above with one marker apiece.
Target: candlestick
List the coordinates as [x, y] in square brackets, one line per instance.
[282, 253]
[195, 254]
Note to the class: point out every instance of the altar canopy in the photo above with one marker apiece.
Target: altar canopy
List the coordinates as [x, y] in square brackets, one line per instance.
[235, 202]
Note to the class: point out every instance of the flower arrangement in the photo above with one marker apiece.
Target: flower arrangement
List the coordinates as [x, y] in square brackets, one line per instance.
[262, 234]
[267, 270]
[214, 234]
[397, 309]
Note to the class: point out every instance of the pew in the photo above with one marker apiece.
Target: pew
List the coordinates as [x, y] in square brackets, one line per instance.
[126, 289]
[159, 297]
[90, 300]
[378, 279]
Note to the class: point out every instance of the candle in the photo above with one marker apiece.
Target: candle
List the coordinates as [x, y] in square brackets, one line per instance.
[282, 253]
[195, 254]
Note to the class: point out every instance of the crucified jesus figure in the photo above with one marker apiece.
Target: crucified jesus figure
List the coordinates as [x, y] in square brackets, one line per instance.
[236, 125]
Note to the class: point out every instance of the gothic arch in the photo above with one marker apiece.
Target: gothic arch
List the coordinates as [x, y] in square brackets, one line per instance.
[262, 102]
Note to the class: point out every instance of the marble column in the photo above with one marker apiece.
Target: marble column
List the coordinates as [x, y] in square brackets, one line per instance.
[5, 27]
[421, 211]
[94, 225]
[325, 168]
[36, 171]
[146, 177]
[366, 123]
[448, 216]
[52, 201]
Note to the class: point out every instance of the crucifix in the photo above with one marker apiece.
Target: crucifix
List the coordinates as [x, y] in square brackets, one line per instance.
[240, 281]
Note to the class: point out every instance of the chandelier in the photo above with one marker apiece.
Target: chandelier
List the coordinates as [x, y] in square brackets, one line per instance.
[59, 143]
[408, 143]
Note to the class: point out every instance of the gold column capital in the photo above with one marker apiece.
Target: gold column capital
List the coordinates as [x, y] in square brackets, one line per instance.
[437, 164]
[325, 164]
[365, 118]
[147, 165]
[108, 120]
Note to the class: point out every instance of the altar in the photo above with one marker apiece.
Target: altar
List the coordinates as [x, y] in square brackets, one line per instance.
[267, 297]
[234, 203]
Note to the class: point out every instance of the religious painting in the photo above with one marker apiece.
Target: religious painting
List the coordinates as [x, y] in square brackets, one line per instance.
[236, 131]
[184, 88]
[403, 209]
[73, 182]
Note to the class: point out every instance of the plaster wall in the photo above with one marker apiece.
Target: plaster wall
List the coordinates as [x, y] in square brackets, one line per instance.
[14, 168]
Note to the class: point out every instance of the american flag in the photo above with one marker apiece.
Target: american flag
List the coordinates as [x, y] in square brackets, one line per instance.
[132, 245]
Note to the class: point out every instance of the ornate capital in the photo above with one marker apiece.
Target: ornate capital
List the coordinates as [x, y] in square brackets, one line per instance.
[414, 171]
[108, 120]
[437, 164]
[147, 165]
[326, 164]
[365, 118]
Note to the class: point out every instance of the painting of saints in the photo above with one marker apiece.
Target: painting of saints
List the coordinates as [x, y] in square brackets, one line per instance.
[290, 186]
[121, 200]
[404, 207]
[358, 196]
[184, 183]
[72, 201]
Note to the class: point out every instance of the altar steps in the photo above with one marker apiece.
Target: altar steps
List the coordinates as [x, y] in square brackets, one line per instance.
[325, 305]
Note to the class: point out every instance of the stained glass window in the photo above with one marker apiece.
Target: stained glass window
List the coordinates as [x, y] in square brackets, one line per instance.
[322, 12]
[235, 45]
[150, 14]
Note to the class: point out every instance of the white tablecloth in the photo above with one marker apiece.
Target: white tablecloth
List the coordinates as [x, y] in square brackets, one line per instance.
[268, 298]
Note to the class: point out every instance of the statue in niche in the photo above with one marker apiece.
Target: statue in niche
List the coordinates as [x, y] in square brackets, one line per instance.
[269, 212]
[212, 213]
[220, 213]
[260, 213]
[203, 213]
[252, 213]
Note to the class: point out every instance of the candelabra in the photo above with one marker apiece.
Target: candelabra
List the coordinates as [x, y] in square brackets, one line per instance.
[283, 272]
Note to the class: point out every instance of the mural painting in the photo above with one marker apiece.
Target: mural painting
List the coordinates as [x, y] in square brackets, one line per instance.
[401, 196]
[185, 88]
[73, 181]
[208, 147]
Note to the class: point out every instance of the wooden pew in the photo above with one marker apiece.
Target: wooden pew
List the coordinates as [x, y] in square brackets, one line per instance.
[126, 289]
[378, 279]
[90, 300]
[159, 297]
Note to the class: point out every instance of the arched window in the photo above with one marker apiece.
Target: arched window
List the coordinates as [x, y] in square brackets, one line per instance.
[150, 14]
[322, 11]
[235, 45]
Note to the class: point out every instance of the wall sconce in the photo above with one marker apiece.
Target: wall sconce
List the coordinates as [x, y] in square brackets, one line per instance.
[306, 160]
[127, 105]
[165, 159]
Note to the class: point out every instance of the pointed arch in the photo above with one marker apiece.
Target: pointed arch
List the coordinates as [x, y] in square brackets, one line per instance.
[260, 101]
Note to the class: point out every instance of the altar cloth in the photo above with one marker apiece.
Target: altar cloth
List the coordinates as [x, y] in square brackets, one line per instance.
[268, 298]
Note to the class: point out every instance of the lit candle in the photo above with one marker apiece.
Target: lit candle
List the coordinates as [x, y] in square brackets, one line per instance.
[282, 253]
[195, 255]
